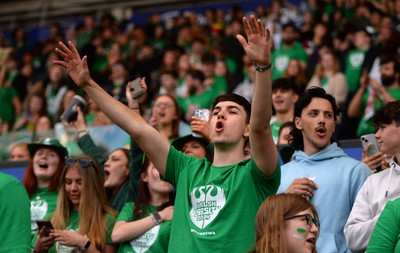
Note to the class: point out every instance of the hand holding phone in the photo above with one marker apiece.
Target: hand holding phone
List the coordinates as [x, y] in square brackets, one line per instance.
[136, 89]
[370, 139]
[47, 226]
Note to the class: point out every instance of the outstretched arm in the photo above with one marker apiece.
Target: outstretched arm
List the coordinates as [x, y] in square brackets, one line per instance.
[149, 139]
[257, 47]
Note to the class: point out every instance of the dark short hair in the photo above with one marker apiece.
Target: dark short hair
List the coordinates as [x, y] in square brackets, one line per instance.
[387, 114]
[388, 59]
[234, 98]
[303, 102]
[285, 84]
[196, 74]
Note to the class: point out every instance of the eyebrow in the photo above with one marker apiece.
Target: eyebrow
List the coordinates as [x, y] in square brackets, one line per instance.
[229, 107]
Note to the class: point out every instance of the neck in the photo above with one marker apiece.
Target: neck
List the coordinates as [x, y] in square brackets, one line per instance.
[165, 129]
[42, 183]
[227, 154]
[311, 149]
[328, 72]
[158, 199]
[283, 117]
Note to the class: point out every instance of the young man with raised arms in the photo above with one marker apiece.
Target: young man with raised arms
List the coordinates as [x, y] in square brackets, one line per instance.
[216, 202]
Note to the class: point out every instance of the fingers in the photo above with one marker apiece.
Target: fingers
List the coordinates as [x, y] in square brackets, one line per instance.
[247, 26]
[73, 49]
[302, 186]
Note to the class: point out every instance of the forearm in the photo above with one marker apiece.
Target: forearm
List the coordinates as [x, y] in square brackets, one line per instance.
[127, 231]
[358, 234]
[261, 110]
[354, 110]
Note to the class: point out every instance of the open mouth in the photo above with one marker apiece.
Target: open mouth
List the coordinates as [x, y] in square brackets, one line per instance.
[43, 165]
[161, 114]
[321, 131]
[219, 126]
[311, 240]
[106, 174]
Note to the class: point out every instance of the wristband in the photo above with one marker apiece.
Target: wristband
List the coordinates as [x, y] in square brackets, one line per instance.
[262, 69]
[85, 247]
[83, 131]
[156, 218]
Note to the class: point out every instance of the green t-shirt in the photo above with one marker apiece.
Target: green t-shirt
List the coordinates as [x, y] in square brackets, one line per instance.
[275, 126]
[220, 86]
[354, 61]
[366, 125]
[385, 237]
[215, 207]
[73, 225]
[43, 202]
[203, 100]
[154, 240]
[282, 56]
[15, 219]
[7, 95]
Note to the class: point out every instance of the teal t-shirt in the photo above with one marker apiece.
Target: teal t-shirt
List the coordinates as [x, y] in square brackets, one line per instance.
[215, 207]
[385, 237]
[203, 100]
[154, 240]
[15, 219]
[7, 95]
[354, 61]
[282, 56]
[366, 125]
[43, 202]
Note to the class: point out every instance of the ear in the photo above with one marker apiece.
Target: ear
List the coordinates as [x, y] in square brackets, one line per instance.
[144, 177]
[246, 133]
[297, 123]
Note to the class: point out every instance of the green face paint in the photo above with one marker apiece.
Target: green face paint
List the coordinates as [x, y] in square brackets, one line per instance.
[301, 230]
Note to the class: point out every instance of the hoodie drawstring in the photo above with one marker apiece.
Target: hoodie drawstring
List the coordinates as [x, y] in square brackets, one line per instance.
[390, 178]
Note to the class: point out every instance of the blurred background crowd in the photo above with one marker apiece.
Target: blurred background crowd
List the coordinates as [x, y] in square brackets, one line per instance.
[194, 56]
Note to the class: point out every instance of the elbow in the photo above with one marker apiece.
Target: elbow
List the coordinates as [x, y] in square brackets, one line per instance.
[116, 236]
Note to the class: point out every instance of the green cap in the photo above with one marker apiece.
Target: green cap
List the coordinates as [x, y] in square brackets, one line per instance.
[48, 143]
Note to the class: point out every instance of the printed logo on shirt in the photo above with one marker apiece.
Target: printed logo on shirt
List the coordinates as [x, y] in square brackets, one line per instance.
[356, 59]
[281, 62]
[38, 211]
[144, 242]
[207, 202]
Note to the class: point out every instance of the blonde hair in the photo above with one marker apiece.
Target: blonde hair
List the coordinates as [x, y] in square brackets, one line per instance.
[93, 206]
[319, 72]
[270, 221]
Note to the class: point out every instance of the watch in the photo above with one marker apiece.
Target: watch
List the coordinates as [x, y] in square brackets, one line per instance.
[86, 246]
[156, 218]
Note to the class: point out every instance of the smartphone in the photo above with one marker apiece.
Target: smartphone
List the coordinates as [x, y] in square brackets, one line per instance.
[136, 90]
[203, 114]
[46, 224]
[367, 139]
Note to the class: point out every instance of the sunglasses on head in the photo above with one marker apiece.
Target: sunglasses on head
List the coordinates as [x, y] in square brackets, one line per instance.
[307, 217]
[83, 162]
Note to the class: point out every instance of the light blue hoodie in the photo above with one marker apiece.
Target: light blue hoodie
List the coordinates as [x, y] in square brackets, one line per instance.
[338, 178]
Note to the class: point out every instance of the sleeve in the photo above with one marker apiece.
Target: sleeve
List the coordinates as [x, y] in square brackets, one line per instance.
[110, 222]
[87, 145]
[360, 224]
[341, 88]
[176, 163]
[15, 229]
[137, 157]
[386, 233]
[358, 176]
[264, 184]
[126, 213]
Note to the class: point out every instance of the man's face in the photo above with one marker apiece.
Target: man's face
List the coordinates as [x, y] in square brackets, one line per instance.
[283, 100]
[289, 36]
[388, 137]
[388, 75]
[317, 124]
[228, 123]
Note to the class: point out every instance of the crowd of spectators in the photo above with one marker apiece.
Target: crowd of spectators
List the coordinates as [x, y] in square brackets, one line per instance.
[320, 43]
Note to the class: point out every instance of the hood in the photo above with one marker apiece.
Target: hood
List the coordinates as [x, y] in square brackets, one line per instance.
[331, 151]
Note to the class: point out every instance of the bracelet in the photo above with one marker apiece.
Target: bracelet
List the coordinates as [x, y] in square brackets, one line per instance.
[156, 218]
[83, 131]
[262, 69]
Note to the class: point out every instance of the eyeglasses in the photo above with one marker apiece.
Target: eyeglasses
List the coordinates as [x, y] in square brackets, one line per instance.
[83, 162]
[308, 218]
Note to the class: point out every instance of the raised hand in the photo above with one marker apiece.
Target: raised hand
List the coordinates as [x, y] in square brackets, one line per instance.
[76, 67]
[257, 45]
[302, 186]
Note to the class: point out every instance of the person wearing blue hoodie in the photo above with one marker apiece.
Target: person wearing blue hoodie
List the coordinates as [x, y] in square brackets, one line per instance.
[321, 171]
